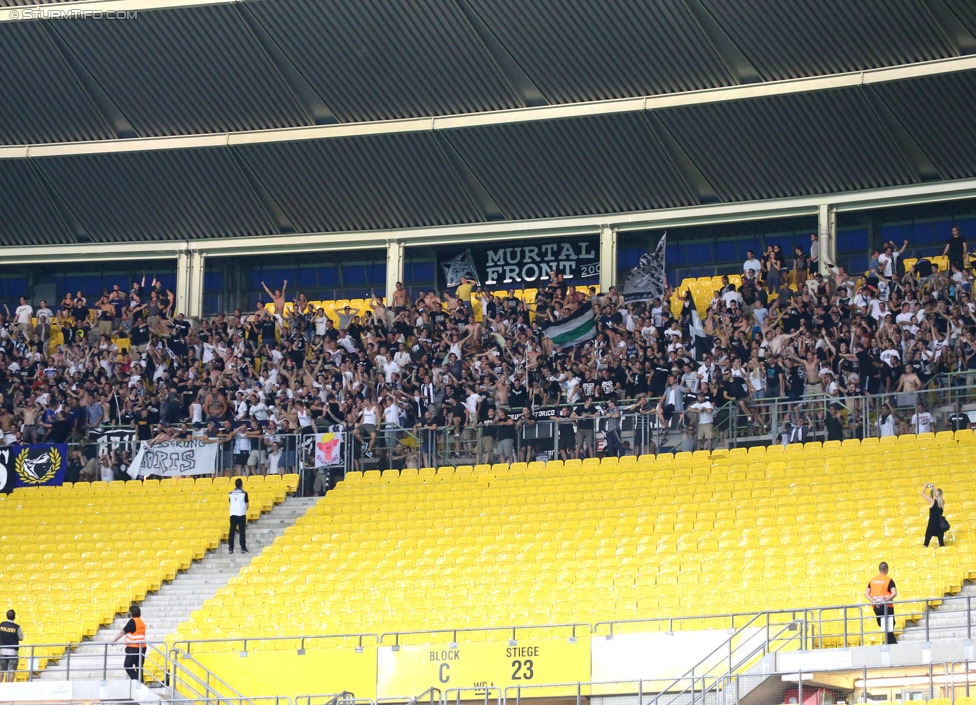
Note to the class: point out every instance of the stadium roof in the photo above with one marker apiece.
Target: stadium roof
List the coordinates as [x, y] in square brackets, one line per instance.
[299, 116]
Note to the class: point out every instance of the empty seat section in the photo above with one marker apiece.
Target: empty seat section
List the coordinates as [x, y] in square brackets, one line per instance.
[77, 555]
[660, 537]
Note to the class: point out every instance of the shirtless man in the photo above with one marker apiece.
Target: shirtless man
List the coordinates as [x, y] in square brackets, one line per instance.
[812, 368]
[7, 425]
[399, 298]
[278, 297]
[31, 413]
[775, 338]
[908, 383]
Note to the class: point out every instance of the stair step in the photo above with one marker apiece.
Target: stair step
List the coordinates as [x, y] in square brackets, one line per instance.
[176, 600]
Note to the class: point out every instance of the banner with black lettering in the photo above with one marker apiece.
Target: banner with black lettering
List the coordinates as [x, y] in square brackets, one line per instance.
[33, 465]
[516, 265]
[112, 439]
[174, 458]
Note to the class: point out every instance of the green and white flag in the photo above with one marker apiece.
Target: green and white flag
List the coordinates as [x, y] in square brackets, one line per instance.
[577, 328]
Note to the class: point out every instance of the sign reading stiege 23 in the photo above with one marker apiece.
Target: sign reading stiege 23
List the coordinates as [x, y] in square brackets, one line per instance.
[33, 465]
[413, 669]
[517, 265]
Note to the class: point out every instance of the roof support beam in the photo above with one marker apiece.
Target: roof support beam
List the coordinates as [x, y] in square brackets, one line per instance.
[954, 30]
[477, 192]
[117, 122]
[685, 165]
[489, 232]
[919, 161]
[528, 93]
[502, 117]
[306, 96]
[281, 221]
[737, 62]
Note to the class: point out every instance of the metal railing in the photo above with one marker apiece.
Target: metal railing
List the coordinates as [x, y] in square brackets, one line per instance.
[951, 680]
[860, 414]
[807, 628]
[344, 698]
[299, 643]
[105, 661]
[647, 691]
[487, 695]
[160, 666]
[254, 700]
[188, 682]
[552, 437]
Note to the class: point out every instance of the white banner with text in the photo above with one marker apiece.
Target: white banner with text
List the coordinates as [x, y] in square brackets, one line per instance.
[174, 458]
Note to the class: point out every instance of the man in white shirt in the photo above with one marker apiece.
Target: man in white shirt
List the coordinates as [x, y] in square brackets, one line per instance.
[259, 412]
[751, 264]
[704, 411]
[402, 356]
[571, 391]
[321, 322]
[657, 313]
[44, 317]
[732, 296]
[921, 420]
[238, 514]
[389, 368]
[886, 263]
[906, 319]
[22, 317]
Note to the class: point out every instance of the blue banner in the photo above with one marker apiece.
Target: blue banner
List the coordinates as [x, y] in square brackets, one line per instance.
[32, 466]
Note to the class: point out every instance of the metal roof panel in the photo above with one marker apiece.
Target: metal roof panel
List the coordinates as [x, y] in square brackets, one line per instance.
[601, 50]
[28, 215]
[606, 164]
[816, 37]
[186, 71]
[360, 183]
[40, 97]
[793, 145]
[937, 112]
[384, 59]
[168, 195]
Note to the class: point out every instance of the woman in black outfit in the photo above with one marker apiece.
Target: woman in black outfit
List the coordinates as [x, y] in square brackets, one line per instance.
[936, 507]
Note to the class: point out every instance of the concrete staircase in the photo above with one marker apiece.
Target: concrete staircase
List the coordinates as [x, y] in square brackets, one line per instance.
[164, 610]
[947, 621]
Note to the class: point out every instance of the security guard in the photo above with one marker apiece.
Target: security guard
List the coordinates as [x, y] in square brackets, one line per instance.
[881, 592]
[10, 637]
[134, 632]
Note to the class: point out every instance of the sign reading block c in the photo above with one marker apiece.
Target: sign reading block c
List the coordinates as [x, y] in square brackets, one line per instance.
[413, 669]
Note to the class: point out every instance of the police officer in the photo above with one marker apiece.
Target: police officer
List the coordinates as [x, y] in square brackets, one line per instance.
[10, 637]
[134, 632]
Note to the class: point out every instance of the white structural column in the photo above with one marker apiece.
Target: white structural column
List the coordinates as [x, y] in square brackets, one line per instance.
[194, 307]
[608, 257]
[827, 229]
[182, 282]
[394, 266]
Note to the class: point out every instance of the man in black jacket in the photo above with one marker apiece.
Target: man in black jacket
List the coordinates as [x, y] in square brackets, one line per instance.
[10, 637]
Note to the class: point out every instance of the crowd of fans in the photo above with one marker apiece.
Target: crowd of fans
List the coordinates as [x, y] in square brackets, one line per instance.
[252, 380]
